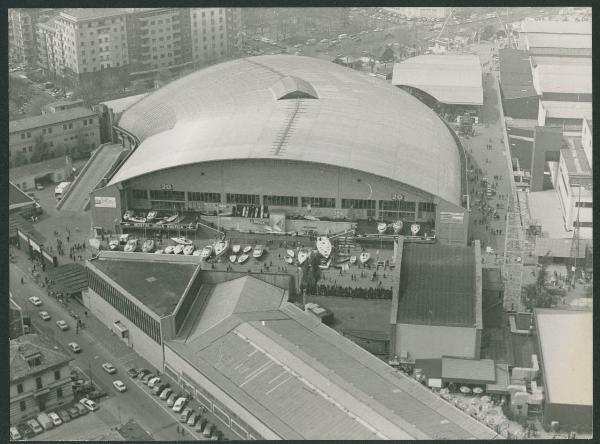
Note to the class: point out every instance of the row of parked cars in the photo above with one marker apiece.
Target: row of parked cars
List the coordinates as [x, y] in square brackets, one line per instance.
[47, 421]
[178, 401]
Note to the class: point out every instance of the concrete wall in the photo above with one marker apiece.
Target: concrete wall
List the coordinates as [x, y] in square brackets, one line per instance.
[141, 343]
[546, 146]
[432, 341]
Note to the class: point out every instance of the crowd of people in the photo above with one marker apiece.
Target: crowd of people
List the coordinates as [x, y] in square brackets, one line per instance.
[353, 292]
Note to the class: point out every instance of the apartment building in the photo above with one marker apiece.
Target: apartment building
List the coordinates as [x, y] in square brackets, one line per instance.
[62, 105]
[22, 24]
[39, 377]
[57, 133]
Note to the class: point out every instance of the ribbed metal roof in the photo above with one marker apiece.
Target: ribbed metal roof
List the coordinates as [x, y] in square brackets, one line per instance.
[230, 111]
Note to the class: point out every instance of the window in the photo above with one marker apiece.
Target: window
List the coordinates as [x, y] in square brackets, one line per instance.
[23, 406]
[44, 131]
[22, 135]
[64, 127]
[583, 224]
[204, 197]
[358, 204]
[253, 199]
[56, 375]
[284, 201]
[20, 387]
[59, 392]
[38, 382]
[49, 130]
[583, 204]
[84, 122]
[396, 205]
[139, 194]
[167, 195]
[28, 135]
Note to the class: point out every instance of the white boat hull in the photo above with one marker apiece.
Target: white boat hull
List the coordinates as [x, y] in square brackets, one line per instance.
[243, 258]
[235, 249]
[324, 246]
[181, 240]
[247, 249]
[179, 249]
[233, 258]
[169, 249]
[221, 247]
[364, 257]
[290, 253]
[188, 250]
[352, 259]
[289, 260]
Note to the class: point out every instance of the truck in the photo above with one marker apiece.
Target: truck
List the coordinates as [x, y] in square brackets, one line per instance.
[45, 421]
[61, 189]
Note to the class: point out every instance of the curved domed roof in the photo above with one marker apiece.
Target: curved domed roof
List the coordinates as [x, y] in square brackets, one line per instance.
[296, 108]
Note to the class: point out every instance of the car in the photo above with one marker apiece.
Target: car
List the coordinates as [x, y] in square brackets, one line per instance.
[35, 301]
[35, 426]
[62, 325]
[120, 386]
[171, 400]
[143, 372]
[81, 409]
[109, 368]
[153, 382]
[25, 430]
[158, 389]
[166, 394]
[14, 434]
[132, 372]
[208, 429]
[39, 186]
[89, 404]
[64, 415]
[74, 346]
[185, 415]
[217, 436]
[201, 424]
[73, 412]
[45, 315]
[179, 404]
[148, 377]
[55, 418]
[192, 419]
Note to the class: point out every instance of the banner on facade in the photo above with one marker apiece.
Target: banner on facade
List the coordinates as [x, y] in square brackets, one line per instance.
[35, 246]
[105, 202]
[451, 218]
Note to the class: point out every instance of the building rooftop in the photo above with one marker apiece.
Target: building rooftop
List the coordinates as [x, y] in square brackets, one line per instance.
[230, 111]
[33, 346]
[563, 78]
[468, 370]
[556, 27]
[49, 119]
[451, 79]
[82, 14]
[515, 74]
[567, 110]
[16, 197]
[305, 381]
[37, 169]
[63, 102]
[565, 339]
[576, 162]
[559, 247]
[437, 285]
[561, 41]
[159, 285]
[119, 105]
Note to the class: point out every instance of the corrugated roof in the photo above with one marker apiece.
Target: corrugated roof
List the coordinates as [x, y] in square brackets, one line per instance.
[566, 342]
[437, 285]
[228, 111]
[32, 344]
[567, 110]
[473, 370]
[515, 74]
[564, 78]
[556, 27]
[451, 79]
[69, 278]
[119, 105]
[50, 119]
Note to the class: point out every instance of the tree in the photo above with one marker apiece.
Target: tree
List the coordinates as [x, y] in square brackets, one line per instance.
[311, 273]
[388, 55]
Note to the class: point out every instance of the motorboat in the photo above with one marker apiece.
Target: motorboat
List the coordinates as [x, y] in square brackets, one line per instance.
[233, 258]
[197, 253]
[151, 215]
[221, 247]
[170, 219]
[290, 253]
[381, 227]
[236, 248]
[325, 265]
[289, 260]
[258, 251]
[128, 214]
[310, 217]
[179, 249]
[131, 245]
[268, 227]
[247, 249]
[188, 250]
[352, 259]
[415, 228]
[324, 246]
[206, 252]
[123, 238]
[364, 257]
[397, 226]
[170, 249]
[140, 220]
[341, 260]
[159, 251]
[181, 240]
[148, 246]
[113, 244]
[243, 258]
[302, 256]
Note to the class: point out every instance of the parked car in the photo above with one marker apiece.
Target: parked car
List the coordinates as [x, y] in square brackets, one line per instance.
[109, 368]
[45, 315]
[148, 377]
[185, 415]
[207, 431]
[132, 372]
[64, 416]
[143, 372]
[179, 404]
[120, 386]
[45, 421]
[217, 436]
[89, 404]
[153, 382]
[25, 430]
[171, 400]
[81, 409]
[192, 419]
[35, 301]
[74, 346]
[62, 325]
[55, 418]
[201, 424]
[14, 434]
[158, 389]
[166, 393]
[74, 412]
[35, 426]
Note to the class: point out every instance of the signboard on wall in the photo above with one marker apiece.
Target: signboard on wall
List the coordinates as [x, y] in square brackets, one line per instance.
[35, 246]
[451, 218]
[105, 202]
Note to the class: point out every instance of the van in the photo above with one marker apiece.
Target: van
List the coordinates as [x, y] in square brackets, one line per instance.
[342, 36]
[45, 421]
[14, 434]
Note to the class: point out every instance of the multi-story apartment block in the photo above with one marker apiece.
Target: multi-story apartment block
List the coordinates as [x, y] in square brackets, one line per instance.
[209, 34]
[57, 133]
[39, 376]
[22, 24]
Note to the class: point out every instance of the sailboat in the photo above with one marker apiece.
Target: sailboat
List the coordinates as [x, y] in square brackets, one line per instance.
[233, 258]
[381, 227]
[188, 250]
[236, 249]
[324, 246]
[364, 257]
[181, 240]
[302, 256]
[221, 247]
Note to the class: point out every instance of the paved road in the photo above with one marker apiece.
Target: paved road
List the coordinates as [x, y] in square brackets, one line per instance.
[78, 197]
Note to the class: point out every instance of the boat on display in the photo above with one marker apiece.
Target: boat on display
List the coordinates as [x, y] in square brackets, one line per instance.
[197, 253]
[302, 256]
[128, 214]
[159, 251]
[131, 245]
[397, 226]
[243, 258]
[169, 249]
[268, 227]
[364, 257]
[179, 249]
[415, 228]
[324, 265]
[181, 240]
[324, 246]
[290, 253]
[236, 248]
[123, 238]
[247, 249]
[277, 228]
[221, 247]
[188, 250]
[113, 244]
[148, 246]
[169, 219]
[233, 258]
[206, 252]
[140, 220]
[151, 215]
[289, 260]
[381, 227]
[352, 259]
[258, 251]
[310, 217]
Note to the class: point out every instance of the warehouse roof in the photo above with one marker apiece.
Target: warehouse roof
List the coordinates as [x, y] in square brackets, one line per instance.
[567, 110]
[515, 74]
[451, 79]
[49, 119]
[120, 105]
[564, 78]
[230, 111]
[16, 197]
[437, 285]
[565, 41]
[556, 27]
[565, 339]
[303, 380]
[34, 347]
[468, 370]
[576, 162]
